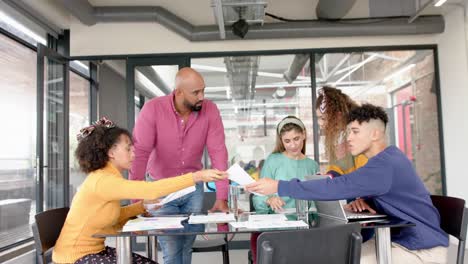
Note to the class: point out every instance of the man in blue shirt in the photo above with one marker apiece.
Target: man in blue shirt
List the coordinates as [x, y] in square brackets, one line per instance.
[388, 179]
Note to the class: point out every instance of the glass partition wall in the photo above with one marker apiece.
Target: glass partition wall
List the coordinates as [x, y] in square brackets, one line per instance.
[403, 82]
[253, 94]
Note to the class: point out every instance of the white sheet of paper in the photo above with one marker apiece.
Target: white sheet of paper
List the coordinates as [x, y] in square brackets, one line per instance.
[142, 224]
[240, 176]
[211, 218]
[268, 217]
[268, 224]
[176, 195]
[286, 211]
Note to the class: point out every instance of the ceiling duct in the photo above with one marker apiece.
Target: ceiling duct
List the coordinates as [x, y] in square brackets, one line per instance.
[295, 68]
[90, 15]
[333, 9]
[242, 75]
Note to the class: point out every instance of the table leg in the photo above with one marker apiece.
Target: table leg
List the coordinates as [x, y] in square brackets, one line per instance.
[152, 248]
[124, 250]
[383, 245]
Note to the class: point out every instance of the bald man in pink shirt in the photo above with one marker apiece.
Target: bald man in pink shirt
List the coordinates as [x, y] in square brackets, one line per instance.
[170, 135]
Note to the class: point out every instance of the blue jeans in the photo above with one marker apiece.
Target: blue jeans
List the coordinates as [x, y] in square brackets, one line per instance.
[178, 249]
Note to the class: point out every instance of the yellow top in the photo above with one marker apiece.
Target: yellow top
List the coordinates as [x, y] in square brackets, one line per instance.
[344, 167]
[96, 209]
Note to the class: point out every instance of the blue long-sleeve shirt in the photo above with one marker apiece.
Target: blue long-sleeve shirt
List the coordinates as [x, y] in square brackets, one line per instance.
[391, 181]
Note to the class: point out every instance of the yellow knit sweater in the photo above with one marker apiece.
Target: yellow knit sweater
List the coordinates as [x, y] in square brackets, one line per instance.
[96, 209]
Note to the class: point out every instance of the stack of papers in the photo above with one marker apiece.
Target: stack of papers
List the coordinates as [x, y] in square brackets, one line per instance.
[144, 224]
[211, 218]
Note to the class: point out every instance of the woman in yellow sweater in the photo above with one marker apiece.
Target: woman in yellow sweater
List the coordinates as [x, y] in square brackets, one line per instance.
[104, 151]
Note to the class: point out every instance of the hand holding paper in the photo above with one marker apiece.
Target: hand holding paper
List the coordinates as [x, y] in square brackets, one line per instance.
[263, 186]
[209, 175]
[239, 176]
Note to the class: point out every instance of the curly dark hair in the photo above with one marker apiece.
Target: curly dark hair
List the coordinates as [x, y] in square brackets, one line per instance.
[338, 105]
[366, 112]
[92, 150]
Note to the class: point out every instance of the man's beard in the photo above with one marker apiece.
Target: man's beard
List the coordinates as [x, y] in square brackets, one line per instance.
[194, 107]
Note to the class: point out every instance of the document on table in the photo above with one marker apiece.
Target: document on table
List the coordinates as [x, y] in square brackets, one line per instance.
[176, 195]
[269, 224]
[211, 218]
[240, 176]
[268, 217]
[142, 224]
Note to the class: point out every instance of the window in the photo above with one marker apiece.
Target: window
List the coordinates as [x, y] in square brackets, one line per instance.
[79, 118]
[18, 140]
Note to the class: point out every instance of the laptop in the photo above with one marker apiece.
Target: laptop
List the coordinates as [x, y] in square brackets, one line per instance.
[335, 209]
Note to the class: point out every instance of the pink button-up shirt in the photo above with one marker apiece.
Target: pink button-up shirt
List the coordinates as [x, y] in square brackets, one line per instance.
[165, 146]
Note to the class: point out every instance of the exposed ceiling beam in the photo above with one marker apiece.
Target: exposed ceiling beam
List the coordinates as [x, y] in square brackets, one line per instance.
[154, 77]
[417, 57]
[359, 65]
[337, 66]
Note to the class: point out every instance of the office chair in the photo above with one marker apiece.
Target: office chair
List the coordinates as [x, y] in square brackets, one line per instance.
[453, 220]
[210, 245]
[46, 230]
[330, 245]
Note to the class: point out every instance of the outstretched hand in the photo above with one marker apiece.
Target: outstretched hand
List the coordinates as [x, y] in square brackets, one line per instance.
[264, 186]
[209, 175]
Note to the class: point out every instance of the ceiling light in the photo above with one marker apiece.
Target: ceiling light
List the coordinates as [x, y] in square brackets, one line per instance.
[240, 28]
[440, 2]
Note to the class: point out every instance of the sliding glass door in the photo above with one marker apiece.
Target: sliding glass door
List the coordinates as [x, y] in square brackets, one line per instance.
[52, 129]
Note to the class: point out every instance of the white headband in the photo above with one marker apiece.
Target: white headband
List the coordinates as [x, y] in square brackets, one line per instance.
[290, 120]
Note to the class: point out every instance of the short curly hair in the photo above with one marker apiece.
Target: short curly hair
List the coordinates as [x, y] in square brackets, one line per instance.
[91, 152]
[366, 112]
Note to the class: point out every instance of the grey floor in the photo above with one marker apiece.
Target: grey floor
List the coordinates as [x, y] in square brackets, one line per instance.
[236, 257]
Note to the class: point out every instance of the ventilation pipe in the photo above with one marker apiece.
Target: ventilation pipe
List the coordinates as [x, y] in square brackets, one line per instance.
[333, 9]
[326, 9]
[295, 68]
[90, 15]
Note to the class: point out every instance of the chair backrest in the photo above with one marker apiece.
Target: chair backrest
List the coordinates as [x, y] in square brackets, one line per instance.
[334, 244]
[46, 230]
[452, 211]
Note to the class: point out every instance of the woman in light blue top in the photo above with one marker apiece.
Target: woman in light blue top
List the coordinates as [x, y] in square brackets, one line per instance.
[287, 161]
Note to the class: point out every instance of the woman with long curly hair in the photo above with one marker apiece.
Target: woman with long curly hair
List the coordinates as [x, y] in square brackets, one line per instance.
[104, 152]
[333, 108]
